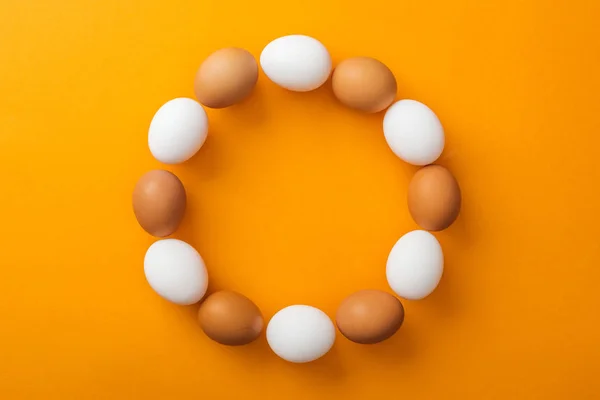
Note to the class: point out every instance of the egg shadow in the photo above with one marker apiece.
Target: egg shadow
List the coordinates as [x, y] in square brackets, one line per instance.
[398, 349]
[208, 162]
[445, 301]
[252, 111]
[326, 369]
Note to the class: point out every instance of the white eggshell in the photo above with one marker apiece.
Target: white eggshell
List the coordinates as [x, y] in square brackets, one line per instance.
[300, 333]
[175, 271]
[296, 62]
[415, 265]
[177, 131]
[413, 132]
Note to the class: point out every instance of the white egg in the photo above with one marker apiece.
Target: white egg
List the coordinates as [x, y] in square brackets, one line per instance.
[177, 131]
[176, 271]
[415, 265]
[413, 132]
[296, 62]
[300, 333]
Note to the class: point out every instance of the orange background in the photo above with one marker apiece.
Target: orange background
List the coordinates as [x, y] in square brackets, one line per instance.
[294, 199]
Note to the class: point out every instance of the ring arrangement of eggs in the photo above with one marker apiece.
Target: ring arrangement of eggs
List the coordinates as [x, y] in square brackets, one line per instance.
[298, 333]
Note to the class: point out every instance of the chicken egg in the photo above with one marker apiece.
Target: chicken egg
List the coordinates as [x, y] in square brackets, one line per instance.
[230, 318]
[296, 62]
[300, 333]
[415, 265]
[434, 198]
[413, 132]
[175, 271]
[364, 83]
[177, 131]
[226, 77]
[159, 202]
[369, 316]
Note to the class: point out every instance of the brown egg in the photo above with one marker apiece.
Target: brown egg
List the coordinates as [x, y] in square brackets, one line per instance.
[434, 198]
[226, 77]
[364, 83]
[369, 316]
[230, 318]
[159, 202]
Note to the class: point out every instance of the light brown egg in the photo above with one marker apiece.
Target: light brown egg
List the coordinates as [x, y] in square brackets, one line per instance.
[369, 316]
[226, 77]
[434, 198]
[230, 318]
[365, 84]
[159, 202]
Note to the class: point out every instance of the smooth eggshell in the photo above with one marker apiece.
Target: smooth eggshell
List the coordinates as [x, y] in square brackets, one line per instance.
[369, 316]
[296, 62]
[230, 318]
[175, 271]
[300, 333]
[364, 83]
[415, 265]
[226, 77]
[177, 131]
[413, 132]
[434, 198]
[159, 202]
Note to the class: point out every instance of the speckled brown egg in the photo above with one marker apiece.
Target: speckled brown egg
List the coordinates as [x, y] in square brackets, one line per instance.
[226, 77]
[369, 316]
[434, 198]
[230, 318]
[364, 83]
[159, 202]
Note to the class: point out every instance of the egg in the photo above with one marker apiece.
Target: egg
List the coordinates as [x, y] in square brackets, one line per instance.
[176, 271]
[434, 198]
[230, 318]
[413, 132]
[369, 316]
[177, 131]
[364, 83]
[159, 202]
[226, 77]
[415, 265]
[296, 62]
[300, 333]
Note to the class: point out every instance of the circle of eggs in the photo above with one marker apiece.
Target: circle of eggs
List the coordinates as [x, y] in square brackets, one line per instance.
[175, 270]
[300, 333]
[415, 265]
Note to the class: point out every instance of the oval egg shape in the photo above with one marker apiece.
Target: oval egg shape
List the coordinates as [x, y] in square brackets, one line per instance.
[296, 62]
[230, 318]
[415, 265]
[434, 198]
[369, 316]
[159, 202]
[300, 333]
[226, 77]
[176, 271]
[364, 84]
[178, 130]
[413, 132]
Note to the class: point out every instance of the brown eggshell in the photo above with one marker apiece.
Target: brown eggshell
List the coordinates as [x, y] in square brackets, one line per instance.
[226, 77]
[434, 198]
[364, 83]
[230, 318]
[369, 316]
[159, 202]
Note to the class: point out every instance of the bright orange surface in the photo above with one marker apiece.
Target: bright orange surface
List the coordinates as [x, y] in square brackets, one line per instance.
[295, 199]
